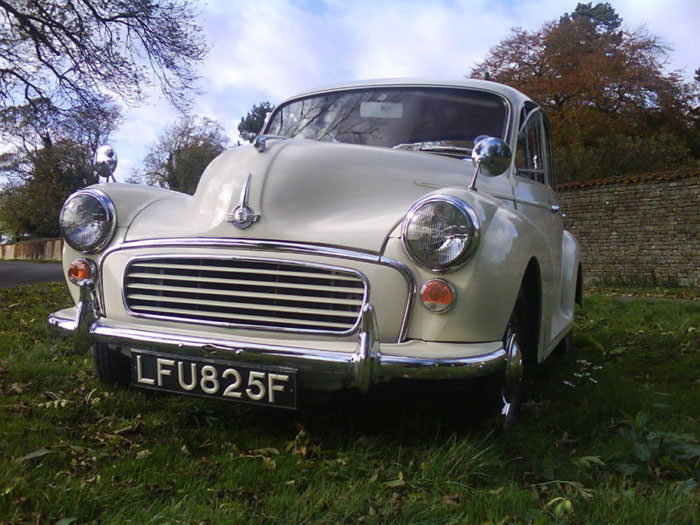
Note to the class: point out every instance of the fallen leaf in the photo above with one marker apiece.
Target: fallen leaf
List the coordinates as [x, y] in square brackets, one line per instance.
[33, 455]
[127, 429]
[451, 499]
[395, 483]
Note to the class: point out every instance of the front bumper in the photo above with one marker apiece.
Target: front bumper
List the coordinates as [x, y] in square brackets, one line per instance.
[360, 365]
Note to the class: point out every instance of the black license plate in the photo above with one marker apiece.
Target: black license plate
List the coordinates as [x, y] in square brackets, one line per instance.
[194, 376]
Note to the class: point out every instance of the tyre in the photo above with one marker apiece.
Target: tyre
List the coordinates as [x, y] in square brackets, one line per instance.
[112, 367]
[565, 346]
[512, 381]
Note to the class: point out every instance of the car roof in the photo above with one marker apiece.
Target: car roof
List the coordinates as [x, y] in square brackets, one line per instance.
[515, 96]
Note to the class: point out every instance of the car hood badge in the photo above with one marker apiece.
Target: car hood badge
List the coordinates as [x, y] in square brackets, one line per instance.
[242, 216]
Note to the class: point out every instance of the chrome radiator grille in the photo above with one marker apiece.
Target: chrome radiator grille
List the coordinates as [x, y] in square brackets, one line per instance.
[259, 293]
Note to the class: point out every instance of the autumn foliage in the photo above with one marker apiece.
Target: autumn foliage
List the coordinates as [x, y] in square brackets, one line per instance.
[613, 108]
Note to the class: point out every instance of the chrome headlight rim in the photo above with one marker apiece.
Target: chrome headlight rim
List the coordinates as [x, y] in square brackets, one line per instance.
[110, 213]
[474, 231]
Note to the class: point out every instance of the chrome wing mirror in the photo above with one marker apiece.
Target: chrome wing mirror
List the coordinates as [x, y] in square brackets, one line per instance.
[105, 162]
[490, 155]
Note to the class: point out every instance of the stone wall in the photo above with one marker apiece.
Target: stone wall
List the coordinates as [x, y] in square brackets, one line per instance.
[46, 249]
[642, 229]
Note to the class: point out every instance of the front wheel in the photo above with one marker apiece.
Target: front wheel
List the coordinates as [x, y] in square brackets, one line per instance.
[512, 381]
[512, 384]
[111, 366]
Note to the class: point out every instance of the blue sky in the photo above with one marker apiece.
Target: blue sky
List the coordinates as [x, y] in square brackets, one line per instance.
[272, 49]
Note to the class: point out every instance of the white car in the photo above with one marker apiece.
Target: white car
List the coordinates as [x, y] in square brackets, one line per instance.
[374, 231]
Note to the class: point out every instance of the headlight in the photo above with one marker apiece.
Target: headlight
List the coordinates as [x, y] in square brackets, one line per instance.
[88, 220]
[440, 231]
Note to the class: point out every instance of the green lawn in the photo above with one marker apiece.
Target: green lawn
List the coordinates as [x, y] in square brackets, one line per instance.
[612, 434]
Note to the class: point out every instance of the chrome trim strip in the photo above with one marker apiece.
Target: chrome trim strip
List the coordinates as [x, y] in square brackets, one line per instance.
[412, 292]
[443, 368]
[280, 246]
[252, 244]
[534, 204]
[137, 259]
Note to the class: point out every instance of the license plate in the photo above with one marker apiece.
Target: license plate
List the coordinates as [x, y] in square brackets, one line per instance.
[194, 376]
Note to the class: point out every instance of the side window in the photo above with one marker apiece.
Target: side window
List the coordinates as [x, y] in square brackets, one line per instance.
[531, 158]
[551, 179]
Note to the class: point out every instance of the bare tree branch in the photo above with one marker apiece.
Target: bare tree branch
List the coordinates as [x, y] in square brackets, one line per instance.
[73, 50]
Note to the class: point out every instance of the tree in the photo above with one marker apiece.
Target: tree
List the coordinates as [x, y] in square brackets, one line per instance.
[30, 207]
[254, 121]
[603, 17]
[182, 152]
[38, 125]
[61, 62]
[50, 156]
[71, 51]
[605, 90]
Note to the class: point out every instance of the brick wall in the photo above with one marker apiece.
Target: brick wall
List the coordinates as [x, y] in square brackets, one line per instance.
[642, 229]
[47, 249]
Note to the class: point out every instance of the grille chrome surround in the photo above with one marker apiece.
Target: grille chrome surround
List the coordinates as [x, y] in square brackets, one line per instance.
[246, 292]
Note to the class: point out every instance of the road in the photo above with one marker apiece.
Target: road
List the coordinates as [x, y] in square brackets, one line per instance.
[16, 273]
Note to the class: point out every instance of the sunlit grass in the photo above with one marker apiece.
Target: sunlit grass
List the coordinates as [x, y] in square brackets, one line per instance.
[611, 434]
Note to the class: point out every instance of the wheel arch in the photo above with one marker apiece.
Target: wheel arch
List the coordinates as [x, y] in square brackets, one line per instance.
[578, 298]
[531, 287]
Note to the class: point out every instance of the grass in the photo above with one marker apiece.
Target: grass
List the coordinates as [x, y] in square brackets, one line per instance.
[612, 434]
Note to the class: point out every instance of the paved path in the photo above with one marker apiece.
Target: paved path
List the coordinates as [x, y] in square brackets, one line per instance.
[15, 273]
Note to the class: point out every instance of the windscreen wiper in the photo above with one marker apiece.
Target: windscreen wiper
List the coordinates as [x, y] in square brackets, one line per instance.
[260, 142]
[434, 147]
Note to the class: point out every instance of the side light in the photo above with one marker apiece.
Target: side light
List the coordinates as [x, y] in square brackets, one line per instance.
[437, 295]
[81, 269]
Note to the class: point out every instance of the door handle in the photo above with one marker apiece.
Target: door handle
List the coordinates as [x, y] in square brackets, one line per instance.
[554, 208]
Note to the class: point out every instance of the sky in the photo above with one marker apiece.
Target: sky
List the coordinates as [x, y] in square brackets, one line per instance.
[269, 50]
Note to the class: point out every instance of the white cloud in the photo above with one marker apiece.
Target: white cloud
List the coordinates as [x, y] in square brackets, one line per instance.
[676, 22]
[140, 128]
[271, 47]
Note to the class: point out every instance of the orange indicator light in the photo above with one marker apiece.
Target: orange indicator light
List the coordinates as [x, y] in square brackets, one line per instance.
[78, 270]
[437, 295]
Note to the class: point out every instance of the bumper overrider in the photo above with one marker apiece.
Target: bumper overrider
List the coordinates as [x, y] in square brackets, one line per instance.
[361, 367]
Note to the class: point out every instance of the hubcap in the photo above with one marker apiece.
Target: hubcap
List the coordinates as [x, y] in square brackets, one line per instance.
[513, 376]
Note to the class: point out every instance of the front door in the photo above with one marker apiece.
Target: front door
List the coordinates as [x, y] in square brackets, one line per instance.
[536, 198]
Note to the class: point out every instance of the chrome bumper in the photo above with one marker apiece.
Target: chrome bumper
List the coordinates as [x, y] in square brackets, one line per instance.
[361, 367]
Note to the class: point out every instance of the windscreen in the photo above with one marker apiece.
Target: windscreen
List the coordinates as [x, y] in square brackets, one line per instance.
[394, 117]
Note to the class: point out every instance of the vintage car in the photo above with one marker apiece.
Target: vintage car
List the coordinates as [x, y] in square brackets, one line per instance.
[374, 231]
